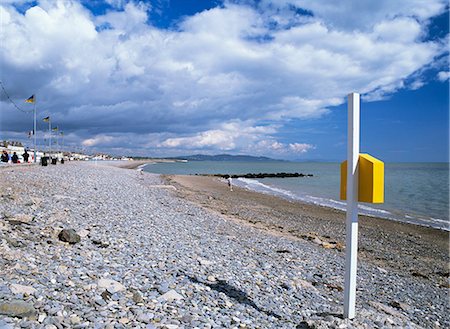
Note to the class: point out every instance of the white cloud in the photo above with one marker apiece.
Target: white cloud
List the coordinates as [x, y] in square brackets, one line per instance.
[217, 138]
[276, 148]
[363, 15]
[226, 138]
[443, 75]
[300, 147]
[116, 3]
[224, 80]
[99, 139]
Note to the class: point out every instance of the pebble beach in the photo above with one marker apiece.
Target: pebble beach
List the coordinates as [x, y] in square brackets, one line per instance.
[86, 245]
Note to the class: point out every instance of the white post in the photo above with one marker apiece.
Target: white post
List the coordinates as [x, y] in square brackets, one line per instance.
[351, 244]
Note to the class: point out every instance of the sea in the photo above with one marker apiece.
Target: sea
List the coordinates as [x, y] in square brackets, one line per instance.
[416, 193]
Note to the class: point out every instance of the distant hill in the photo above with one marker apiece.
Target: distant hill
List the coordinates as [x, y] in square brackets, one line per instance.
[226, 157]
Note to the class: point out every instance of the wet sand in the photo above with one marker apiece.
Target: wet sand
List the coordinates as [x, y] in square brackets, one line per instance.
[409, 249]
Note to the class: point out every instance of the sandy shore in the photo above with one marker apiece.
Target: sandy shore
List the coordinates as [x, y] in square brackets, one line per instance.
[406, 248]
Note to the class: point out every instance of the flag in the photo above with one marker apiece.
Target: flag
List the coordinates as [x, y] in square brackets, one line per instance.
[47, 119]
[30, 99]
[55, 129]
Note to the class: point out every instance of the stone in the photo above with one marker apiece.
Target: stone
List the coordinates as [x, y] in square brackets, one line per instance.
[100, 243]
[69, 235]
[42, 317]
[51, 326]
[17, 308]
[387, 309]
[23, 218]
[21, 289]
[204, 262]
[74, 320]
[145, 317]
[299, 283]
[110, 285]
[169, 296]
[399, 305]
[106, 295]
[419, 274]
[137, 298]
[84, 233]
[334, 286]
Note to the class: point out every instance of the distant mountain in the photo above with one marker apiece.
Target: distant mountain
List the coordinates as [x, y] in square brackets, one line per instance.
[226, 157]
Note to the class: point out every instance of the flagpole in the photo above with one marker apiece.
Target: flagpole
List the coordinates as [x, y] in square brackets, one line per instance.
[49, 137]
[34, 129]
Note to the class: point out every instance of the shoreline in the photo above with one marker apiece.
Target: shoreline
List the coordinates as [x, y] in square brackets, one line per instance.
[421, 251]
[195, 255]
[364, 210]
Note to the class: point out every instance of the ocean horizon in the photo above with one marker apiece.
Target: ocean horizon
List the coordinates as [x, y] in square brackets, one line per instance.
[416, 193]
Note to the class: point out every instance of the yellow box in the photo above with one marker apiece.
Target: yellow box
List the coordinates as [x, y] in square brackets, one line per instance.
[370, 180]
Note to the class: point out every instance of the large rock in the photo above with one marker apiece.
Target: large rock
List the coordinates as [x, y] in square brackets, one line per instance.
[170, 296]
[17, 308]
[23, 218]
[21, 289]
[110, 285]
[69, 235]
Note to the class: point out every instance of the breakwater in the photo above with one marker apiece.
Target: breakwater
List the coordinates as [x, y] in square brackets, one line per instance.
[260, 175]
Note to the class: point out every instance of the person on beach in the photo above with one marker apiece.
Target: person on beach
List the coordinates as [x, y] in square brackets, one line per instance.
[14, 158]
[25, 157]
[230, 183]
[5, 156]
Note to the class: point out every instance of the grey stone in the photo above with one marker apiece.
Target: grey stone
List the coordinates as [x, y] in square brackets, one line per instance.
[69, 235]
[171, 295]
[17, 308]
[111, 285]
[137, 297]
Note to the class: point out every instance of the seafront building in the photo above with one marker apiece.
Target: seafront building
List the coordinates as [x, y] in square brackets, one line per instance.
[14, 146]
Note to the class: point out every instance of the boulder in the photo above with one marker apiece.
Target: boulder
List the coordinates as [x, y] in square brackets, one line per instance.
[17, 308]
[110, 285]
[170, 296]
[69, 235]
[21, 289]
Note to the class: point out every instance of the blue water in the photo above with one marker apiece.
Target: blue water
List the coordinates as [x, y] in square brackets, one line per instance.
[414, 192]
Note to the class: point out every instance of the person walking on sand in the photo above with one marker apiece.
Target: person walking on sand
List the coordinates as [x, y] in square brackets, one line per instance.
[14, 158]
[5, 156]
[25, 157]
[230, 183]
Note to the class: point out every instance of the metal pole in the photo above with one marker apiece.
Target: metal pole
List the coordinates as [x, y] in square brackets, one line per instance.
[34, 129]
[352, 206]
[49, 137]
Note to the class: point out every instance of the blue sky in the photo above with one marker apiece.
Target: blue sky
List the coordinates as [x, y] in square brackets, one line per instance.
[166, 78]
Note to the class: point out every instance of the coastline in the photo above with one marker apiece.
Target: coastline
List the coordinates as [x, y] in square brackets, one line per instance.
[419, 250]
[155, 255]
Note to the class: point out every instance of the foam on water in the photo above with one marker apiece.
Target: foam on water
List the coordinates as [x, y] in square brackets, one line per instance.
[414, 192]
[255, 185]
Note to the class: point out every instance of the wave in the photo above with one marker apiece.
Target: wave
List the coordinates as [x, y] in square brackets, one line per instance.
[255, 185]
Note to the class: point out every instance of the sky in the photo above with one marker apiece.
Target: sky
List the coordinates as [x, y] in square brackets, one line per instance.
[166, 78]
